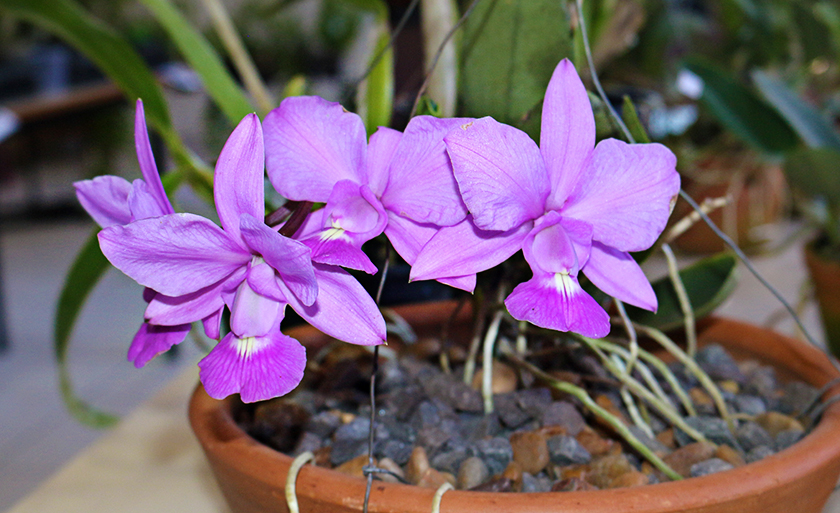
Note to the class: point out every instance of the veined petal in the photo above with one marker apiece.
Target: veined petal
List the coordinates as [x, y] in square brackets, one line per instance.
[567, 135]
[290, 258]
[558, 245]
[147, 161]
[617, 274]
[263, 280]
[380, 151]
[310, 145]
[152, 340]
[238, 186]
[626, 193]
[344, 309]
[500, 173]
[420, 182]
[466, 283]
[169, 311]
[175, 254]
[556, 301]
[142, 203]
[463, 249]
[354, 208]
[105, 199]
[258, 368]
[335, 246]
[253, 315]
[213, 324]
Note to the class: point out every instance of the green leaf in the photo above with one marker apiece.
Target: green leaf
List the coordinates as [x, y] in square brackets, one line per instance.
[631, 119]
[428, 107]
[86, 271]
[202, 57]
[814, 35]
[741, 111]
[509, 51]
[811, 126]
[376, 93]
[816, 173]
[708, 283]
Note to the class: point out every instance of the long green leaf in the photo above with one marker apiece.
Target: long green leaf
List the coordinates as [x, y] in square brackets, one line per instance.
[203, 58]
[376, 93]
[86, 271]
[741, 111]
[634, 124]
[708, 283]
[509, 51]
[812, 127]
[816, 173]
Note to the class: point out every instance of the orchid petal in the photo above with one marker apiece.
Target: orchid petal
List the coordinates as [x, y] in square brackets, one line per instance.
[313, 224]
[380, 151]
[408, 237]
[626, 193]
[557, 302]
[238, 185]
[152, 340]
[263, 280]
[567, 135]
[500, 173]
[420, 184]
[105, 199]
[335, 246]
[310, 145]
[617, 274]
[344, 310]
[169, 311]
[147, 161]
[355, 209]
[175, 254]
[142, 203]
[290, 258]
[258, 368]
[252, 315]
[466, 283]
[213, 324]
[558, 245]
[463, 249]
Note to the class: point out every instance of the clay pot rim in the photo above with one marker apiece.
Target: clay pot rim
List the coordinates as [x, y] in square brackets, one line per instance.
[818, 449]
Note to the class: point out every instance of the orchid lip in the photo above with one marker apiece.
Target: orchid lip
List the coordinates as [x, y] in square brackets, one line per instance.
[248, 346]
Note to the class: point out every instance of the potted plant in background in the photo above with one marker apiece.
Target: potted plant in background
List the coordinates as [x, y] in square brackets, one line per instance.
[573, 208]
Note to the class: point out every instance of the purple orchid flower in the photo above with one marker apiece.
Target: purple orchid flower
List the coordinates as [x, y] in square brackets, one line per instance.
[112, 200]
[198, 268]
[569, 205]
[401, 184]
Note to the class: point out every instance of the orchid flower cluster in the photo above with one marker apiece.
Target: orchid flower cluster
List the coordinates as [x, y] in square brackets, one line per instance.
[454, 197]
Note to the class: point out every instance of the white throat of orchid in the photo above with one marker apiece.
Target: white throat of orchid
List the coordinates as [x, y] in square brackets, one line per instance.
[335, 231]
[248, 346]
[565, 284]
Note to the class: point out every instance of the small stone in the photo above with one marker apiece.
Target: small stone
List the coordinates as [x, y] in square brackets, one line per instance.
[308, 442]
[666, 438]
[797, 395]
[653, 444]
[566, 450]
[730, 455]
[530, 451]
[488, 426]
[431, 478]
[718, 364]
[607, 468]
[449, 460]
[573, 484]
[702, 401]
[534, 401]
[454, 392]
[426, 414]
[594, 443]
[417, 465]
[278, 423]
[758, 453]
[749, 404]
[357, 429]
[432, 438]
[396, 475]
[629, 480]
[510, 412]
[504, 378]
[787, 438]
[394, 449]
[345, 450]
[535, 484]
[497, 484]
[775, 422]
[729, 386]
[323, 424]
[606, 403]
[563, 413]
[513, 472]
[497, 453]
[472, 473]
[683, 458]
[354, 467]
[750, 435]
[709, 466]
[714, 429]
[762, 381]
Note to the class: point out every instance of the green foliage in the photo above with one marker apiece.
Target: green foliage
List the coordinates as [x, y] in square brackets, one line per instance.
[509, 51]
[741, 111]
[708, 283]
[631, 119]
[376, 94]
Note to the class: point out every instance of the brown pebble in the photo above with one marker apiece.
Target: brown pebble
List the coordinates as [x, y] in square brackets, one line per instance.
[730, 386]
[354, 467]
[504, 378]
[391, 466]
[573, 484]
[472, 473]
[497, 484]
[572, 472]
[593, 442]
[530, 451]
[417, 465]
[322, 457]
[774, 423]
[629, 480]
[432, 478]
[606, 469]
[683, 458]
[666, 438]
[549, 431]
[606, 403]
[729, 455]
[700, 397]
[513, 472]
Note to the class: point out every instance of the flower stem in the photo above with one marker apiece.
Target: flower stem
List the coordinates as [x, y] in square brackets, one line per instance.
[682, 297]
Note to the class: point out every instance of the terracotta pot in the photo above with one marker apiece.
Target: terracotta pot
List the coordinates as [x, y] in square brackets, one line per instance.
[825, 274]
[797, 479]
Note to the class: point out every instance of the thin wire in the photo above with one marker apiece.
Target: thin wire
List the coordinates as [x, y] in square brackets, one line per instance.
[439, 53]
